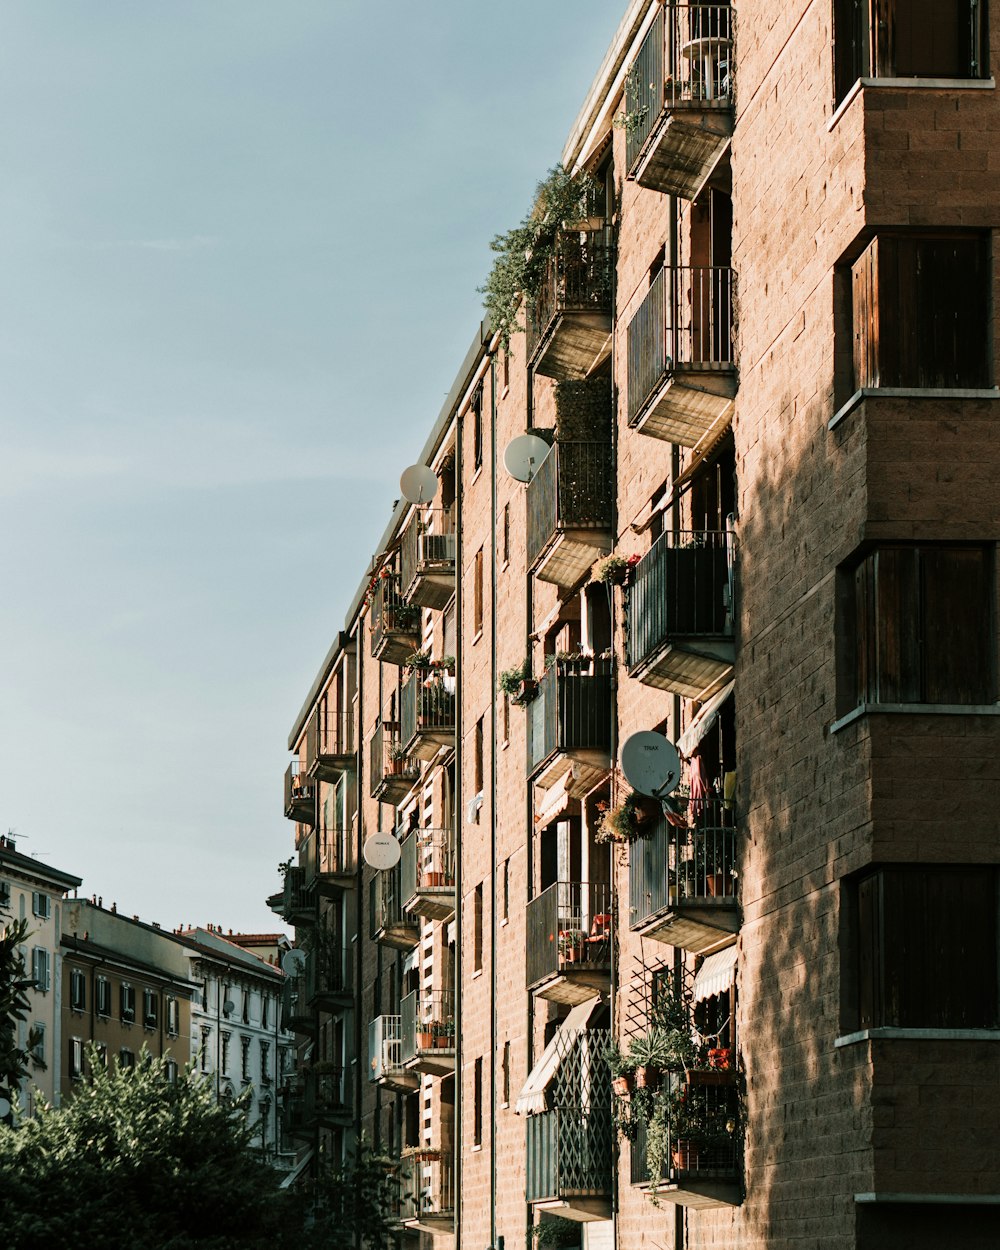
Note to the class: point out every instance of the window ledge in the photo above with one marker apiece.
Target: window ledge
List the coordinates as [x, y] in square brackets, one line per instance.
[916, 709]
[918, 1035]
[951, 1200]
[908, 84]
[909, 392]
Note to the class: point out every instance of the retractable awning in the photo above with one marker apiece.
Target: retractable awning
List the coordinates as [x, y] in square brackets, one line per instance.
[532, 1099]
[703, 722]
[715, 975]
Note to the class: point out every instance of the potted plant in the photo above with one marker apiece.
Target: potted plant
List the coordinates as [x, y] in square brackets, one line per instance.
[517, 683]
[622, 1071]
[571, 944]
[649, 1054]
[418, 659]
[425, 1036]
[634, 817]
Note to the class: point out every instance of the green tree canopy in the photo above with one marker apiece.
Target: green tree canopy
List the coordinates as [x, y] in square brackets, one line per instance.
[14, 986]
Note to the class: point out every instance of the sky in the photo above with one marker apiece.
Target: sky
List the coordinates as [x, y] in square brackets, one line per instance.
[240, 242]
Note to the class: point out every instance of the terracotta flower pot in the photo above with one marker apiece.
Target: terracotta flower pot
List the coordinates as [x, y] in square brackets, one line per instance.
[684, 1156]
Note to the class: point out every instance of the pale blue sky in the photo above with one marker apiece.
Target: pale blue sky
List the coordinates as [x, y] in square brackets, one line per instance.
[240, 242]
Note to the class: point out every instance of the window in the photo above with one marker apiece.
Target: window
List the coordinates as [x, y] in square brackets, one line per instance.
[921, 311]
[265, 1006]
[922, 630]
[505, 718]
[150, 1008]
[206, 1035]
[477, 758]
[225, 1051]
[77, 990]
[477, 593]
[126, 1003]
[927, 947]
[907, 39]
[173, 1017]
[477, 928]
[477, 1102]
[75, 1058]
[505, 1074]
[4, 895]
[477, 429]
[102, 994]
[40, 965]
[101, 1050]
[505, 889]
[245, 1058]
[505, 535]
[246, 1006]
[36, 1044]
[41, 905]
[170, 1071]
[126, 1059]
[265, 1063]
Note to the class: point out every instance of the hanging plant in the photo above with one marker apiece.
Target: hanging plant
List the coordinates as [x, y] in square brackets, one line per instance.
[634, 817]
[517, 684]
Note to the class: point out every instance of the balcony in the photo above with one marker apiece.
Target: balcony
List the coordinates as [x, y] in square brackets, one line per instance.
[395, 623]
[385, 1065]
[682, 880]
[295, 1121]
[389, 924]
[569, 942]
[330, 744]
[680, 614]
[329, 980]
[427, 714]
[427, 558]
[296, 1014]
[427, 874]
[329, 861]
[300, 794]
[569, 321]
[679, 101]
[427, 1192]
[328, 1096]
[570, 504]
[427, 1025]
[701, 1167]
[570, 1148]
[393, 772]
[681, 374]
[569, 723]
[298, 898]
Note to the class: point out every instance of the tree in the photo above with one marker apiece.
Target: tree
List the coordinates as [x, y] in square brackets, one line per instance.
[353, 1203]
[135, 1160]
[14, 986]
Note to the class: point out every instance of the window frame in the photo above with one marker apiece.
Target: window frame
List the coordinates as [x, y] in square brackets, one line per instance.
[150, 1008]
[103, 1004]
[126, 1002]
[77, 989]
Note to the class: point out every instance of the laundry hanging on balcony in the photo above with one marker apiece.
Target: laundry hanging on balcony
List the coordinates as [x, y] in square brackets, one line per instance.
[534, 1097]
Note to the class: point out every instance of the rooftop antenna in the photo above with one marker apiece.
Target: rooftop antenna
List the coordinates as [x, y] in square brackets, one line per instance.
[523, 455]
[418, 484]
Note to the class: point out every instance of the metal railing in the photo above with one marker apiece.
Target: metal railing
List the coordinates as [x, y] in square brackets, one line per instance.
[427, 861]
[426, 705]
[300, 791]
[427, 1184]
[385, 903]
[573, 488]
[297, 894]
[329, 735]
[329, 969]
[388, 760]
[429, 545]
[427, 1023]
[384, 1046]
[708, 1144]
[686, 318]
[678, 864]
[296, 1014]
[681, 588]
[568, 929]
[327, 853]
[578, 279]
[572, 710]
[327, 1093]
[391, 614]
[684, 59]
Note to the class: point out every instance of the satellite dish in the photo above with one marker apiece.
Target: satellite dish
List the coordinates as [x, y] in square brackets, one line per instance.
[523, 456]
[418, 484]
[228, 1007]
[293, 962]
[5, 1107]
[651, 764]
[381, 851]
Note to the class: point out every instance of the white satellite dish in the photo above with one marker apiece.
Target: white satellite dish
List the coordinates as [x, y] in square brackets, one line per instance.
[651, 764]
[381, 851]
[523, 456]
[418, 484]
[293, 962]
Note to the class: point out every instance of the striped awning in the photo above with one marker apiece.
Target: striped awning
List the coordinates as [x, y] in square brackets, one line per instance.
[532, 1099]
[715, 975]
[703, 722]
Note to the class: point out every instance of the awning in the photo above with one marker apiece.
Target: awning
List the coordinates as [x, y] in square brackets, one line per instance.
[297, 1170]
[410, 960]
[532, 1099]
[715, 975]
[556, 801]
[703, 722]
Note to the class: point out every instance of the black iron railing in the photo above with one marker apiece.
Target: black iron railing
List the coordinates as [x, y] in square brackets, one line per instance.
[329, 735]
[684, 862]
[681, 588]
[389, 762]
[300, 792]
[329, 968]
[568, 930]
[427, 1184]
[578, 279]
[298, 897]
[385, 903]
[428, 546]
[686, 318]
[427, 705]
[684, 59]
[573, 488]
[427, 861]
[704, 1144]
[572, 710]
[296, 1013]
[427, 1023]
[391, 614]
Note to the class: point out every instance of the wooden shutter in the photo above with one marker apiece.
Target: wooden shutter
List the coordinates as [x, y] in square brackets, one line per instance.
[897, 637]
[865, 284]
[931, 38]
[869, 952]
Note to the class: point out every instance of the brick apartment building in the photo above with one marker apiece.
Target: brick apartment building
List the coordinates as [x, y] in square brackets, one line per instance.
[758, 369]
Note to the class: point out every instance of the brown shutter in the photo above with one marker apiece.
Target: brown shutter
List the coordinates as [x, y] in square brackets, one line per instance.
[956, 616]
[897, 625]
[932, 39]
[864, 283]
[869, 952]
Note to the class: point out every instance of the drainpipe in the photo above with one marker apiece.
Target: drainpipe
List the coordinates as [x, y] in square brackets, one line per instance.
[457, 794]
[493, 805]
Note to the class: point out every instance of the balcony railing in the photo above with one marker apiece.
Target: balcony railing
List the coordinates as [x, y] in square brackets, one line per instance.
[569, 940]
[328, 1097]
[393, 771]
[427, 558]
[329, 973]
[298, 905]
[572, 711]
[300, 794]
[427, 873]
[571, 497]
[683, 67]
[705, 1152]
[682, 332]
[427, 1024]
[427, 1189]
[294, 1116]
[570, 318]
[680, 600]
[329, 744]
[427, 713]
[395, 623]
[296, 1013]
[384, 1047]
[389, 924]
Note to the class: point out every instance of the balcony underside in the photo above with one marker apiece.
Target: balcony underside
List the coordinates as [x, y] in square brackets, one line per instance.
[393, 789]
[401, 937]
[333, 884]
[425, 743]
[300, 1022]
[700, 1193]
[575, 343]
[692, 667]
[433, 586]
[399, 1080]
[333, 1000]
[574, 984]
[569, 555]
[435, 1061]
[589, 768]
[688, 402]
[395, 648]
[436, 1225]
[334, 1116]
[580, 1207]
[684, 148]
[432, 902]
[330, 767]
[301, 810]
[700, 926]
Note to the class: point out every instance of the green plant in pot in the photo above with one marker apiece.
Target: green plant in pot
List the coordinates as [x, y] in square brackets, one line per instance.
[622, 1071]
[517, 683]
[634, 817]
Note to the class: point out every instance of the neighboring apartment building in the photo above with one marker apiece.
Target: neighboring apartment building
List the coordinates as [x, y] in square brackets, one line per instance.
[763, 371]
[32, 891]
